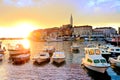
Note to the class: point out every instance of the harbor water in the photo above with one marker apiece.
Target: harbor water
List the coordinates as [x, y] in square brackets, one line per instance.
[71, 70]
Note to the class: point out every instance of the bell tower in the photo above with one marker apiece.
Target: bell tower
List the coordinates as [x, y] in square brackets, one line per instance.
[71, 20]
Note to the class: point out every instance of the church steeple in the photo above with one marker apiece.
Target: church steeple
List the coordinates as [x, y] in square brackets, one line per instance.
[71, 20]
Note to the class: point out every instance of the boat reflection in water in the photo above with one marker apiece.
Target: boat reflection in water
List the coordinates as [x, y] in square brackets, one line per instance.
[96, 75]
[116, 69]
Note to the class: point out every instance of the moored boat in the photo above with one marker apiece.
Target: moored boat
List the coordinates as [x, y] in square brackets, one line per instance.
[93, 60]
[104, 50]
[18, 50]
[42, 58]
[58, 57]
[21, 58]
[114, 51]
[115, 61]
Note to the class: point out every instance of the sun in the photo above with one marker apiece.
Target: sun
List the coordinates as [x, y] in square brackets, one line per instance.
[24, 29]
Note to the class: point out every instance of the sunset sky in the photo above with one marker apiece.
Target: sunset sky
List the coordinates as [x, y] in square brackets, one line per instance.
[54, 13]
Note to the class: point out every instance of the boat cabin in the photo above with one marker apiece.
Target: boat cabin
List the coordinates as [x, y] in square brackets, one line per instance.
[93, 56]
[92, 51]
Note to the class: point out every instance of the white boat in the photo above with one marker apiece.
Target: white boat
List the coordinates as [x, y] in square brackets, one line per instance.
[58, 57]
[104, 50]
[42, 57]
[114, 51]
[75, 48]
[21, 58]
[115, 61]
[93, 60]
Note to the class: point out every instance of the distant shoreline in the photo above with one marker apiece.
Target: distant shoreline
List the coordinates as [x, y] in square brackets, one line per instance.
[11, 38]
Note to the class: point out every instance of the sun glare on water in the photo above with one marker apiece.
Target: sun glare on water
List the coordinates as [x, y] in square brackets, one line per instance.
[25, 43]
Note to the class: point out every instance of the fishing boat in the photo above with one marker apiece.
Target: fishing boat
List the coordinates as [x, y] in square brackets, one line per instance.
[21, 58]
[42, 58]
[58, 57]
[94, 61]
[115, 61]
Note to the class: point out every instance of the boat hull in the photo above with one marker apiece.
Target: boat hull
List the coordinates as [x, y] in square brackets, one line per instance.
[114, 62]
[97, 69]
[21, 58]
[106, 56]
[58, 60]
[39, 60]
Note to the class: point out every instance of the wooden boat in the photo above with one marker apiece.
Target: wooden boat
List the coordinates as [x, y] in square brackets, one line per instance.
[21, 58]
[93, 60]
[42, 57]
[18, 50]
[58, 57]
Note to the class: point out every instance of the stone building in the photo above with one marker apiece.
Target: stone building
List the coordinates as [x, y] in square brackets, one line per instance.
[82, 30]
[106, 31]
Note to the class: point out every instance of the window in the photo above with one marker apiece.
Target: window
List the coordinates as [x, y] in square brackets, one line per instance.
[91, 52]
[103, 60]
[112, 49]
[97, 51]
[96, 61]
[89, 60]
[117, 49]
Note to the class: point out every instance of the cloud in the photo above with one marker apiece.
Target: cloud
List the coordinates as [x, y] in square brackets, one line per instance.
[105, 6]
[19, 3]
